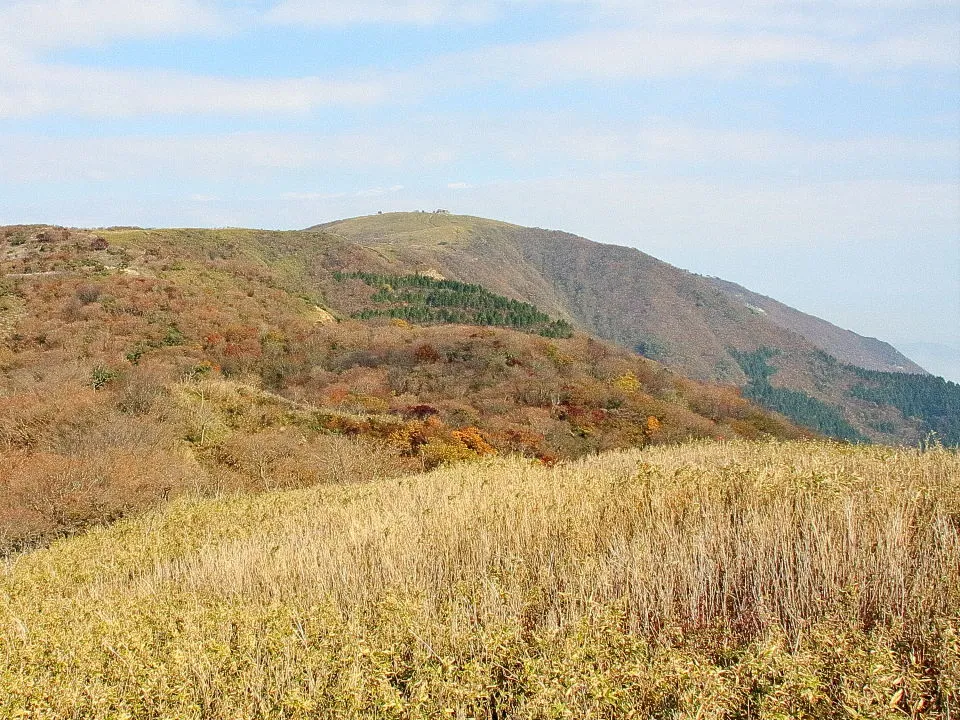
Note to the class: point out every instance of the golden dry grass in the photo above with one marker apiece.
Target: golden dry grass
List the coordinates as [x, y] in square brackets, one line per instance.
[701, 581]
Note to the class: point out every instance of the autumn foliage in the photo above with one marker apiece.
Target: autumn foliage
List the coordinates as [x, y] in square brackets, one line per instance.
[138, 365]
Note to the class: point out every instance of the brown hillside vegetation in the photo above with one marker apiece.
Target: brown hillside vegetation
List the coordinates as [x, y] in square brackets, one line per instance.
[612, 292]
[623, 295]
[709, 580]
[139, 365]
[615, 293]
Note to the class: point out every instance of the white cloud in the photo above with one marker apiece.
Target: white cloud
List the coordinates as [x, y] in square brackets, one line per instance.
[348, 12]
[235, 156]
[44, 24]
[628, 39]
[310, 198]
[710, 37]
[673, 52]
[379, 191]
[673, 146]
[530, 143]
[313, 196]
[29, 89]
[835, 17]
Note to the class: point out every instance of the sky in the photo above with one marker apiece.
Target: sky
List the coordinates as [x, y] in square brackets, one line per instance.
[809, 150]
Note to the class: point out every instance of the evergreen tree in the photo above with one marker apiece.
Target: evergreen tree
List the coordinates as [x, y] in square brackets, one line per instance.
[425, 300]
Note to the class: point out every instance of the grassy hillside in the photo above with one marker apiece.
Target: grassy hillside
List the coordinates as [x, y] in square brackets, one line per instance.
[693, 324]
[705, 580]
[305, 278]
[137, 365]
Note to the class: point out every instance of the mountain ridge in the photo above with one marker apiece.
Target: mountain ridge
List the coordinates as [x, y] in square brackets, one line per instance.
[689, 322]
[614, 293]
[845, 345]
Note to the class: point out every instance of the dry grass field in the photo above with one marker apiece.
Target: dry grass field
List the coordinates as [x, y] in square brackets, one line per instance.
[707, 580]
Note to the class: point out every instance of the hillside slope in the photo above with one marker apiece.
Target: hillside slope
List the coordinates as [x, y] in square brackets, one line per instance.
[690, 323]
[616, 292]
[140, 364]
[845, 345]
[248, 281]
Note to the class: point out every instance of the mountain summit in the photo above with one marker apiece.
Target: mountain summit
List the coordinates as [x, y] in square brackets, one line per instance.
[828, 378]
[622, 294]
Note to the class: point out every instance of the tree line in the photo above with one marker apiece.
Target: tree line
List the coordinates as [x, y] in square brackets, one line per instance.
[425, 300]
[933, 401]
[794, 404]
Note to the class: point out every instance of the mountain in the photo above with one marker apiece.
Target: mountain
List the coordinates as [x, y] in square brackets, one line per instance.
[137, 365]
[701, 327]
[845, 345]
[312, 315]
[286, 389]
[619, 293]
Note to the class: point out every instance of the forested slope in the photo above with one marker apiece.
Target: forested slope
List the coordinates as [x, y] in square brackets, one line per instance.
[695, 325]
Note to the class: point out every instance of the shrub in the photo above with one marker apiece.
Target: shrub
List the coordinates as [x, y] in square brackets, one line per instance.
[101, 376]
[426, 353]
[420, 412]
[87, 294]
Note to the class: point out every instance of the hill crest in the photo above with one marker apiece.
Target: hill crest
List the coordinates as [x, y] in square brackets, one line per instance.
[699, 326]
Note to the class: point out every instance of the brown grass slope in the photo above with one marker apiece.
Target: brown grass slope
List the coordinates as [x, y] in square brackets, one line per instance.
[621, 294]
[142, 364]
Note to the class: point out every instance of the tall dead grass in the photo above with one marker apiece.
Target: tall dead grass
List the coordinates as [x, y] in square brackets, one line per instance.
[707, 580]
